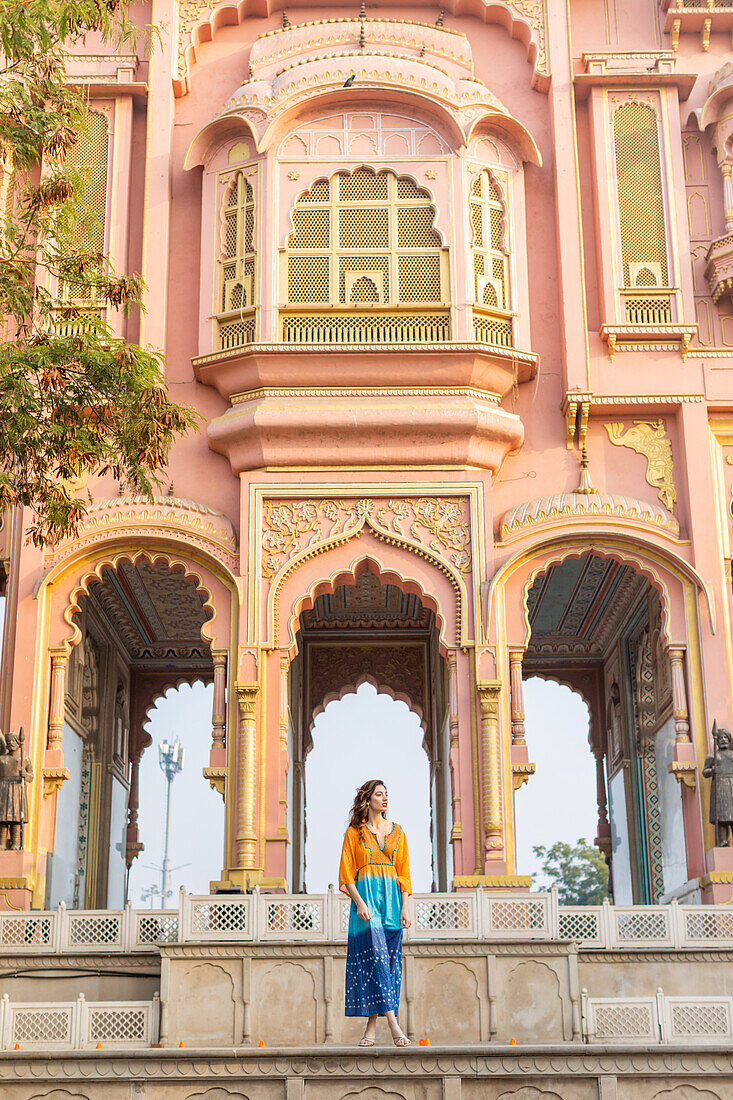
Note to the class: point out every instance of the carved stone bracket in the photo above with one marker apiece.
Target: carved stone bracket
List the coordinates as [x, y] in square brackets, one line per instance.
[521, 773]
[649, 438]
[217, 778]
[54, 779]
[685, 772]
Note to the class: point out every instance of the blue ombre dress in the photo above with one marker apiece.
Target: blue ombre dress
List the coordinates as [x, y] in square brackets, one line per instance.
[374, 951]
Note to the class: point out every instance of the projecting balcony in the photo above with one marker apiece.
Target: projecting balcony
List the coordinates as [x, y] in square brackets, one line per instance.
[719, 269]
[75, 318]
[649, 322]
[696, 16]
[383, 325]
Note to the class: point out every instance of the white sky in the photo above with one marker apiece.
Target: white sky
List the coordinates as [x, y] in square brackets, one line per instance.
[360, 737]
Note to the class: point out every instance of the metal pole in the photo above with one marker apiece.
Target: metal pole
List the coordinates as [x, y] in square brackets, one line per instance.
[166, 870]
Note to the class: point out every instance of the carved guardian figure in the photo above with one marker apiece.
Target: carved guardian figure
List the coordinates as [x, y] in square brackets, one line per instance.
[16, 771]
[719, 769]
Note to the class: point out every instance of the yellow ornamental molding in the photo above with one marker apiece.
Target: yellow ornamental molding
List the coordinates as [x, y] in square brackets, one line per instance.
[54, 779]
[217, 778]
[649, 438]
[441, 524]
[586, 506]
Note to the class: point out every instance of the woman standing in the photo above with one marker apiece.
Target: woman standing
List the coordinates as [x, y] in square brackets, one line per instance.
[375, 873]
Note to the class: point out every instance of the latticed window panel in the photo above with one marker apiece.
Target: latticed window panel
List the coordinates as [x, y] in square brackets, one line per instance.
[625, 1020]
[640, 924]
[212, 918]
[490, 257]
[238, 259]
[103, 930]
[118, 1025]
[157, 928]
[294, 916]
[351, 328]
[708, 924]
[581, 925]
[43, 1026]
[517, 915]
[444, 915]
[640, 193]
[702, 1019]
[88, 158]
[27, 932]
[363, 238]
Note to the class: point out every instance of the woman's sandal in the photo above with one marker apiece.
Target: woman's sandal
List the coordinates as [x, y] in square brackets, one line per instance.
[366, 1042]
[403, 1041]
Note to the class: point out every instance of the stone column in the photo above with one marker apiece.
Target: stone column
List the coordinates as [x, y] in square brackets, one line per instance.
[58, 691]
[517, 692]
[284, 729]
[133, 847]
[727, 171]
[453, 758]
[218, 717]
[603, 839]
[679, 697]
[246, 839]
[488, 693]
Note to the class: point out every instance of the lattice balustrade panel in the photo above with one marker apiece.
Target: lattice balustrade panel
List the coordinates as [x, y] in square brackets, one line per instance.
[648, 310]
[581, 925]
[296, 917]
[26, 931]
[118, 1024]
[220, 918]
[42, 1026]
[639, 187]
[444, 915]
[157, 928]
[517, 916]
[625, 1020]
[345, 910]
[368, 329]
[642, 924]
[708, 924]
[702, 1019]
[95, 930]
[493, 330]
[234, 334]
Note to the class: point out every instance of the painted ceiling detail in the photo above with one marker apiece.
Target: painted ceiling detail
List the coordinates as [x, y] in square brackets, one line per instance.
[367, 605]
[577, 606]
[156, 612]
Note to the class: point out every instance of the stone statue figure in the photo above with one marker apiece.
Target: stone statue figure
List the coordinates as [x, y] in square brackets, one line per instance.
[16, 771]
[719, 769]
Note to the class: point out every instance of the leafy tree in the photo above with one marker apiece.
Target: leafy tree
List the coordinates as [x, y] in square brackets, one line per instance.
[578, 870]
[74, 399]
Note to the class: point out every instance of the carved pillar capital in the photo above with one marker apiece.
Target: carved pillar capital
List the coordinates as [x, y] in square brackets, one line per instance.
[59, 661]
[679, 696]
[516, 656]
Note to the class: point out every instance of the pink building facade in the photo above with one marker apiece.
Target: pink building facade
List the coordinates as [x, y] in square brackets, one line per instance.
[451, 290]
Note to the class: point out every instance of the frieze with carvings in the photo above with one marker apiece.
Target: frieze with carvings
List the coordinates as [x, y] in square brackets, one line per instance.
[440, 524]
[399, 668]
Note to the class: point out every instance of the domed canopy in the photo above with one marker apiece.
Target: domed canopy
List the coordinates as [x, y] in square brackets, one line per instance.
[579, 505]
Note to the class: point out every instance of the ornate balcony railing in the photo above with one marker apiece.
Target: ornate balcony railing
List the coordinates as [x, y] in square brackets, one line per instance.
[78, 1025]
[647, 307]
[270, 918]
[493, 326]
[235, 329]
[85, 316]
[342, 325]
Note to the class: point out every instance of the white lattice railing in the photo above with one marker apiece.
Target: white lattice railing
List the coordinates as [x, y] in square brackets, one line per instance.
[464, 915]
[78, 1025]
[658, 1019]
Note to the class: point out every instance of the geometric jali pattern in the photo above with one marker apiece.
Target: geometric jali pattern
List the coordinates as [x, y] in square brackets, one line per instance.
[443, 915]
[42, 1025]
[99, 930]
[627, 1021]
[114, 1025]
[700, 1019]
[299, 916]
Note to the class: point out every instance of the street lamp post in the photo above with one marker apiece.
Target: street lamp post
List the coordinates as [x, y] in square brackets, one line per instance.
[170, 758]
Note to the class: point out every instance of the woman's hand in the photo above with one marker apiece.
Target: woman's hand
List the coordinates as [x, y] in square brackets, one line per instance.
[362, 911]
[405, 917]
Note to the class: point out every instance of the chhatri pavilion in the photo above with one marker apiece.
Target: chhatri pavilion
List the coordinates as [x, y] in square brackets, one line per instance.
[451, 287]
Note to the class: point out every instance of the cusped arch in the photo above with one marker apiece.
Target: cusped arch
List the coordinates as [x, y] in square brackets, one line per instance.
[666, 571]
[301, 580]
[381, 687]
[70, 581]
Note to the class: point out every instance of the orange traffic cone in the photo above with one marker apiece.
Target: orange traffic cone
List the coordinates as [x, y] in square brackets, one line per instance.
[261, 1043]
[181, 1044]
[512, 1042]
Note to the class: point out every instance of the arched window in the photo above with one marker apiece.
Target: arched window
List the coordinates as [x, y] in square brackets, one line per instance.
[492, 311]
[365, 240]
[237, 265]
[641, 213]
[88, 158]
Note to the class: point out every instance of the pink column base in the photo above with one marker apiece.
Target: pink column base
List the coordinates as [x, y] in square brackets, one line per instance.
[717, 883]
[16, 878]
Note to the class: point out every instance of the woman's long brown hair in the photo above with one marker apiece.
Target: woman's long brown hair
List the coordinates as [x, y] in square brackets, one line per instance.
[360, 809]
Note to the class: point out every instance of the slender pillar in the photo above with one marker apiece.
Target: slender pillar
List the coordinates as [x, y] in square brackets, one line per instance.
[246, 841]
[284, 728]
[218, 718]
[517, 692]
[603, 838]
[59, 661]
[133, 847]
[455, 767]
[679, 697]
[727, 171]
[488, 693]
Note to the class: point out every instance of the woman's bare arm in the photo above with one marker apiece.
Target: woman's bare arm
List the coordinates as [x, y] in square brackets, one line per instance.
[361, 910]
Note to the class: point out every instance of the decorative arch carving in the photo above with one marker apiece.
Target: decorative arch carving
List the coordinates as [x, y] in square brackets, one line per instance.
[414, 700]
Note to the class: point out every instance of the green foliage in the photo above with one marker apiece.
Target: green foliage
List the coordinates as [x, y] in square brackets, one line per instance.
[578, 870]
[74, 399]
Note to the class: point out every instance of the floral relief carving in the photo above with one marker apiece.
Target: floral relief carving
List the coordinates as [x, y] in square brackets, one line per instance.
[441, 524]
[650, 439]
